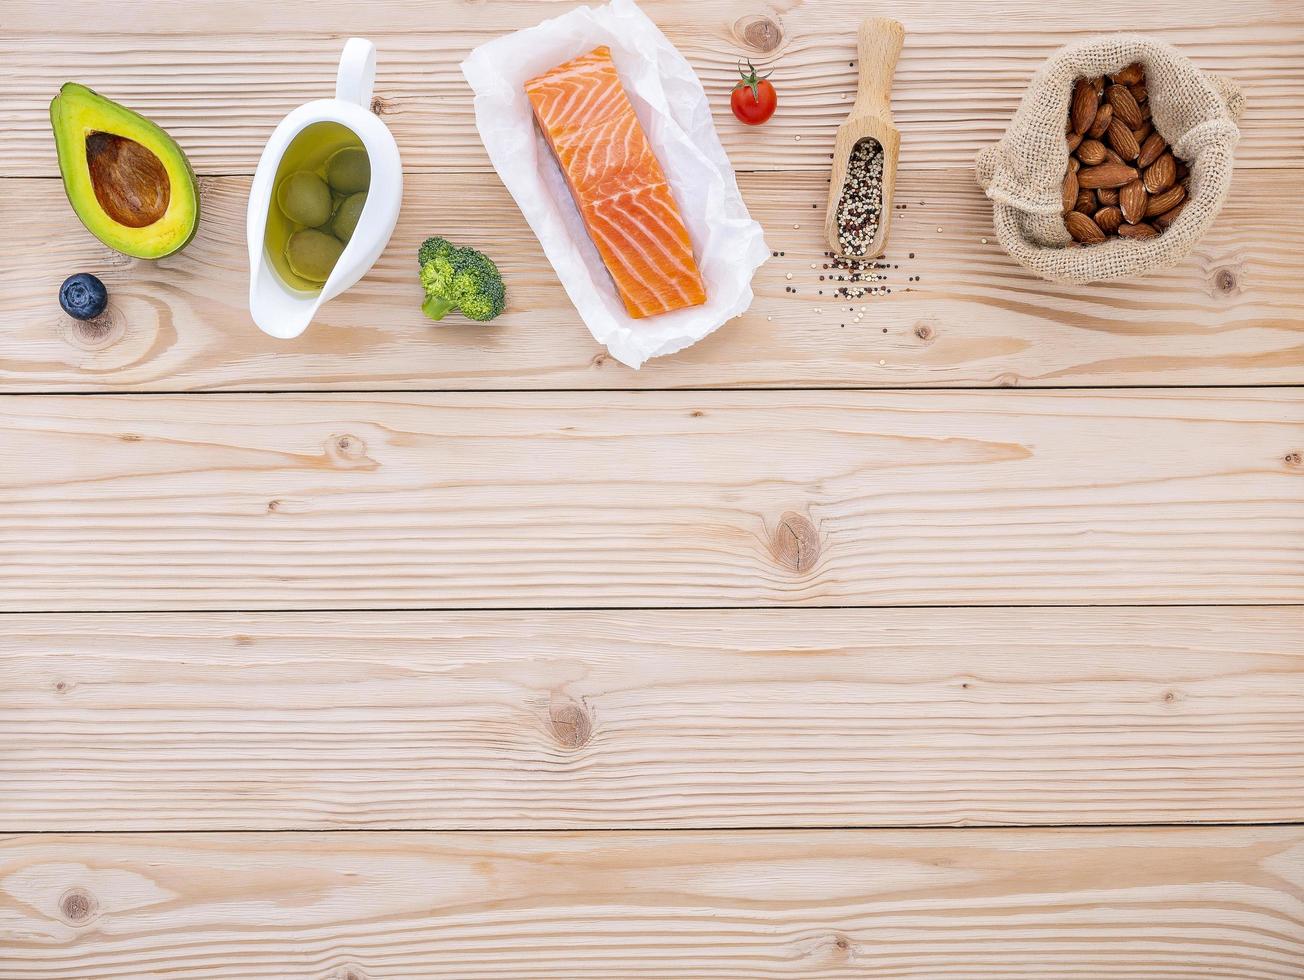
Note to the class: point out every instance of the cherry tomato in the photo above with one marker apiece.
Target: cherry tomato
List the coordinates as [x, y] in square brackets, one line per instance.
[753, 99]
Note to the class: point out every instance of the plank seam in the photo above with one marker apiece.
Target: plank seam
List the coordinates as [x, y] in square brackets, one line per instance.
[490, 610]
[704, 829]
[687, 389]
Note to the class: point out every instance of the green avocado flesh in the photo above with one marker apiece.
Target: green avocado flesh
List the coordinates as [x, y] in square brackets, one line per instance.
[126, 178]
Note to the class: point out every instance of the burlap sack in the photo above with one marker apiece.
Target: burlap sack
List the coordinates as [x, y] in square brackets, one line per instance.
[1194, 112]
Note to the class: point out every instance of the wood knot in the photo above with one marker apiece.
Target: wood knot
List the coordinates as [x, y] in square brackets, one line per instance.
[273, 506]
[381, 105]
[925, 331]
[759, 33]
[570, 723]
[77, 906]
[243, 640]
[92, 335]
[1225, 281]
[130, 437]
[349, 452]
[348, 973]
[1007, 380]
[833, 947]
[598, 360]
[1293, 459]
[696, 413]
[795, 543]
[62, 687]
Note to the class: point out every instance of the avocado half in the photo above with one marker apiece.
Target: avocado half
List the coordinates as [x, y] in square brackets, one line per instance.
[126, 178]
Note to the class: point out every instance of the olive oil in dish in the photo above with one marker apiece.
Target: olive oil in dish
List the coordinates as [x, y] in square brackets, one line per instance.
[320, 190]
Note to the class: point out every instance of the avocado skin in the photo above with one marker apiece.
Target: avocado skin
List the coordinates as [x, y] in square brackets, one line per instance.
[78, 111]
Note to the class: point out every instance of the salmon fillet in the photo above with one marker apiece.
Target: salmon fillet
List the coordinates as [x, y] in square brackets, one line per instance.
[617, 183]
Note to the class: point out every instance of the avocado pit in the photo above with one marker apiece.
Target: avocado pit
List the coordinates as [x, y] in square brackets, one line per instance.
[130, 182]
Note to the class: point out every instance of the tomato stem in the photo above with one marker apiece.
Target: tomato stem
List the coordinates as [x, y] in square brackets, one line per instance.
[750, 79]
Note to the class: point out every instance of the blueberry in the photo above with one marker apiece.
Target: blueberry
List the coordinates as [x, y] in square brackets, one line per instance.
[83, 297]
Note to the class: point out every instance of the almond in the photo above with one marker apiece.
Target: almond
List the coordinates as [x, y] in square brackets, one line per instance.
[1161, 174]
[1082, 228]
[1132, 200]
[1137, 231]
[1105, 175]
[1091, 152]
[1122, 140]
[1165, 202]
[1069, 190]
[1108, 219]
[1130, 75]
[1084, 105]
[1122, 179]
[1125, 106]
[1153, 146]
[1168, 217]
[1104, 116]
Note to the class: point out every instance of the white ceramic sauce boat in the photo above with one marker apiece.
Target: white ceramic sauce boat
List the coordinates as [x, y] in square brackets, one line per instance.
[278, 309]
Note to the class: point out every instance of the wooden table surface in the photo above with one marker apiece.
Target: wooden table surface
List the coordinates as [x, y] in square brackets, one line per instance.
[958, 640]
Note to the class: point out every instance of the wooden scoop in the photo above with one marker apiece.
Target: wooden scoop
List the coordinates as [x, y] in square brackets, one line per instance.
[879, 46]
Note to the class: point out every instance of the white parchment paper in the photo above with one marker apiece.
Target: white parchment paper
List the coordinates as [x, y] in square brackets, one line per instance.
[671, 105]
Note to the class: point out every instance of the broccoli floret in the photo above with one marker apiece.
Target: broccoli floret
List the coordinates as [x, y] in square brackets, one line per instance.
[432, 247]
[461, 279]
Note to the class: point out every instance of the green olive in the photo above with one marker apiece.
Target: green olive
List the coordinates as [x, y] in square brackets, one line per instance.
[349, 170]
[312, 254]
[347, 214]
[304, 198]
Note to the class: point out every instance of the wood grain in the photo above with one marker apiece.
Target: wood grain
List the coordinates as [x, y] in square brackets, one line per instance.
[383, 18]
[1153, 904]
[703, 499]
[737, 718]
[381, 706]
[220, 85]
[961, 312]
